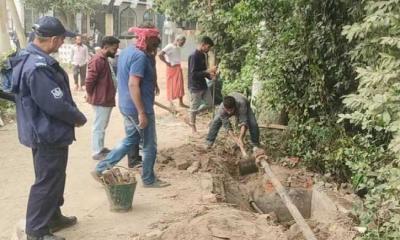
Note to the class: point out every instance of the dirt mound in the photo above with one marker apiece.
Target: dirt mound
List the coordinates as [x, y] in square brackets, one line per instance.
[223, 223]
[218, 173]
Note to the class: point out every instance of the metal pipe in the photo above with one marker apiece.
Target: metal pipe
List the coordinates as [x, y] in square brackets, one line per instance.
[253, 204]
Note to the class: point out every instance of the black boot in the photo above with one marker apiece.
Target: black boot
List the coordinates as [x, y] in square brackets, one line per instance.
[44, 237]
[61, 222]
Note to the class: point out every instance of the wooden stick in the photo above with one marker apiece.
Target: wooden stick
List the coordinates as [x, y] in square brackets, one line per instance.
[175, 113]
[274, 126]
[242, 150]
[164, 107]
[306, 230]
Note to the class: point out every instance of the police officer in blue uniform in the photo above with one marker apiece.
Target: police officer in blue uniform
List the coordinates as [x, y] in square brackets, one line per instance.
[46, 118]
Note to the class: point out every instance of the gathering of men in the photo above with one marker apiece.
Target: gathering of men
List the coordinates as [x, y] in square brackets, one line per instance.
[137, 88]
[47, 114]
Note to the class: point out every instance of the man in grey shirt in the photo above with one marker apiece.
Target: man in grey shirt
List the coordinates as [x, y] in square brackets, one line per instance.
[235, 104]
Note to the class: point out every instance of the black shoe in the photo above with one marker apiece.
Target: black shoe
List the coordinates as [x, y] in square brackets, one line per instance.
[105, 150]
[62, 222]
[135, 162]
[44, 237]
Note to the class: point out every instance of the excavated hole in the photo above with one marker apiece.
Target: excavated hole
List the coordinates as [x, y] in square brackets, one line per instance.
[240, 191]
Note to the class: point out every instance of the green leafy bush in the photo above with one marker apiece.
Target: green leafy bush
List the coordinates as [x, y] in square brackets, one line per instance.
[374, 107]
[308, 55]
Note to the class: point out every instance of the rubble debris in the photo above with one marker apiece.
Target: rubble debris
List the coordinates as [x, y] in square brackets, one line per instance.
[194, 167]
[114, 176]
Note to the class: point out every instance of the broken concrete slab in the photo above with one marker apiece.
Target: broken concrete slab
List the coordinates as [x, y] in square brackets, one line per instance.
[268, 200]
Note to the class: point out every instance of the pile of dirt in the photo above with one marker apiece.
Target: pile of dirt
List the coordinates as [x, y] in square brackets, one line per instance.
[340, 229]
[217, 160]
[222, 223]
[238, 221]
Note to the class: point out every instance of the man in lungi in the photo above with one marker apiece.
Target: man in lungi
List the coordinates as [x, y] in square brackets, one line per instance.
[171, 56]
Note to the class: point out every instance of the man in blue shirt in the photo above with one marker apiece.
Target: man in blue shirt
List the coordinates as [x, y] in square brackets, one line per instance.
[46, 118]
[136, 88]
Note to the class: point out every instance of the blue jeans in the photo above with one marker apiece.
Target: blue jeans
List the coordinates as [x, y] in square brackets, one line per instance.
[133, 137]
[100, 123]
[251, 123]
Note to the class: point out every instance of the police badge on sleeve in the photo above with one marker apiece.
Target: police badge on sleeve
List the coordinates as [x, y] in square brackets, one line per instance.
[57, 93]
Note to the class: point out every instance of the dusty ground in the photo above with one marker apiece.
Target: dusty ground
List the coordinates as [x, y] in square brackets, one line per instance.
[84, 197]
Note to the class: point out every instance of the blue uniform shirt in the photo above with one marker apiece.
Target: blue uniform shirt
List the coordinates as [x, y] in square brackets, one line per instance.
[134, 62]
[46, 112]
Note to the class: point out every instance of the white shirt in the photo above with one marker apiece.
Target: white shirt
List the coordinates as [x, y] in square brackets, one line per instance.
[173, 54]
[79, 55]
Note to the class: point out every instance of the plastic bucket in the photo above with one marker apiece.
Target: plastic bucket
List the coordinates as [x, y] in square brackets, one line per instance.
[120, 196]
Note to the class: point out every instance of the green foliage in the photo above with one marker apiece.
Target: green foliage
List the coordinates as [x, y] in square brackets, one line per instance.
[6, 107]
[374, 107]
[303, 59]
[323, 147]
[68, 6]
[176, 10]
[308, 55]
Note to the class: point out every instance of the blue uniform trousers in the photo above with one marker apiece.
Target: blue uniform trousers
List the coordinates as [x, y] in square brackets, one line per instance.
[46, 195]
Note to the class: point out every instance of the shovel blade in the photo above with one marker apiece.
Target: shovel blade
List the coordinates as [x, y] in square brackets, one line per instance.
[247, 167]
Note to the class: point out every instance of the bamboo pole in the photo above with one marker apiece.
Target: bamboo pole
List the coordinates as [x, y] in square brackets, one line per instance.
[17, 22]
[5, 45]
[305, 229]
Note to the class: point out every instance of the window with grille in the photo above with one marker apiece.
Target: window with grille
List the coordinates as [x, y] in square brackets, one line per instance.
[31, 16]
[127, 20]
[148, 17]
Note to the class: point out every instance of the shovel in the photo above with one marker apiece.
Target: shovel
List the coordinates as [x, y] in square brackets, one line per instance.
[247, 164]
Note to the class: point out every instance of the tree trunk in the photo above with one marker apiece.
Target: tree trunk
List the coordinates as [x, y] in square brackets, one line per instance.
[5, 45]
[17, 22]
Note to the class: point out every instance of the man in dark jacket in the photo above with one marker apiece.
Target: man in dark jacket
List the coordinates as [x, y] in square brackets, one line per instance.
[198, 72]
[46, 118]
[101, 88]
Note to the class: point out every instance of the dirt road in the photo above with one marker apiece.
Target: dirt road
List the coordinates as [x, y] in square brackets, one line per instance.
[84, 197]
